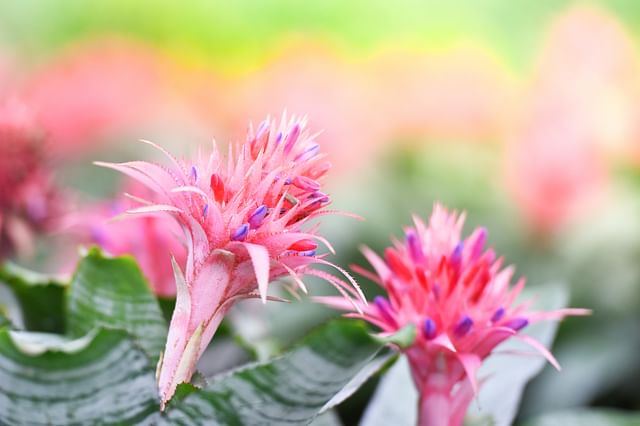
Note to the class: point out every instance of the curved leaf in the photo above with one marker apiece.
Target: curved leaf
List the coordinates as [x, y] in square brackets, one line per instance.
[101, 378]
[40, 296]
[111, 292]
[291, 389]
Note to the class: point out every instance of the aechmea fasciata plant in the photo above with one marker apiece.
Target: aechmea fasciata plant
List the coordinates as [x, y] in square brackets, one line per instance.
[29, 200]
[459, 298]
[243, 218]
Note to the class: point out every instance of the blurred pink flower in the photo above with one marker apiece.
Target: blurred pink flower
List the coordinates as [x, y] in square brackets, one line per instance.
[590, 60]
[93, 91]
[152, 240]
[242, 218]
[458, 296]
[583, 106]
[554, 169]
[29, 202]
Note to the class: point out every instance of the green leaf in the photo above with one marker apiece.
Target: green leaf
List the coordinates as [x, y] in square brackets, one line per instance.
[4, 322]
[292, 389]
[111, 292]
[101, 378]
[402, 338]
[590, 417]
[40, 297]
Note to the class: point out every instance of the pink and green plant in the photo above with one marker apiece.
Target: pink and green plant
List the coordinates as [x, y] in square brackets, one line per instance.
[244, 218]
[459, 297]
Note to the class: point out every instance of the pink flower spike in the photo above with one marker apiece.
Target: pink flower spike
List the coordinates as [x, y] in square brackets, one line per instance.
[455, 293]
[242, 216]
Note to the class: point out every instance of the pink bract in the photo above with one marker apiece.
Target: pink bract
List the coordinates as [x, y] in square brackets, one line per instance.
[242, 216]
[459, 298]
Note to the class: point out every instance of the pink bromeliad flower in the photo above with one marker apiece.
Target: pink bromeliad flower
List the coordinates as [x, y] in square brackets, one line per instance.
[243, 219]
[29, 201]
[460, 300]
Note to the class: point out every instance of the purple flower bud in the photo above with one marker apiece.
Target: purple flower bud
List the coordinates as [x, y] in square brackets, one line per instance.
[498, 314]
[384, 308]
[463, 326]
[456, 256]
[256, 218]
[415, 247]
[517, 323]
[429, 329]
[241, 233]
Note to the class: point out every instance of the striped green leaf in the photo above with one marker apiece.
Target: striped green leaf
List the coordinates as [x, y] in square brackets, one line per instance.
[111, 292]
[41, 298]
[292, 389]
[102, 378]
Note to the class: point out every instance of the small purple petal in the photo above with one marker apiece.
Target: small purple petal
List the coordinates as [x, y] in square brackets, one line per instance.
[415, 247]
[463, 326]
[498, 314]
[205, 210]
[307, 253]
[384, 308]
[456, 256]
[429, 329]
[256, 218]
[279, 137]
[241, 233]
[194, 174]
[517, 323]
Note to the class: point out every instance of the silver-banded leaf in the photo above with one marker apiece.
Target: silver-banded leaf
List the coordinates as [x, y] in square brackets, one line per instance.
[40, 297]
[102, 378]
[111, 292]
[586, 417]
[290, 390]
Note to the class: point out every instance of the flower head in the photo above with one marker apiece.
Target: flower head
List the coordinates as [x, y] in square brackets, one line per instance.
[243, 219]
[458, 296]
[28, 199]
